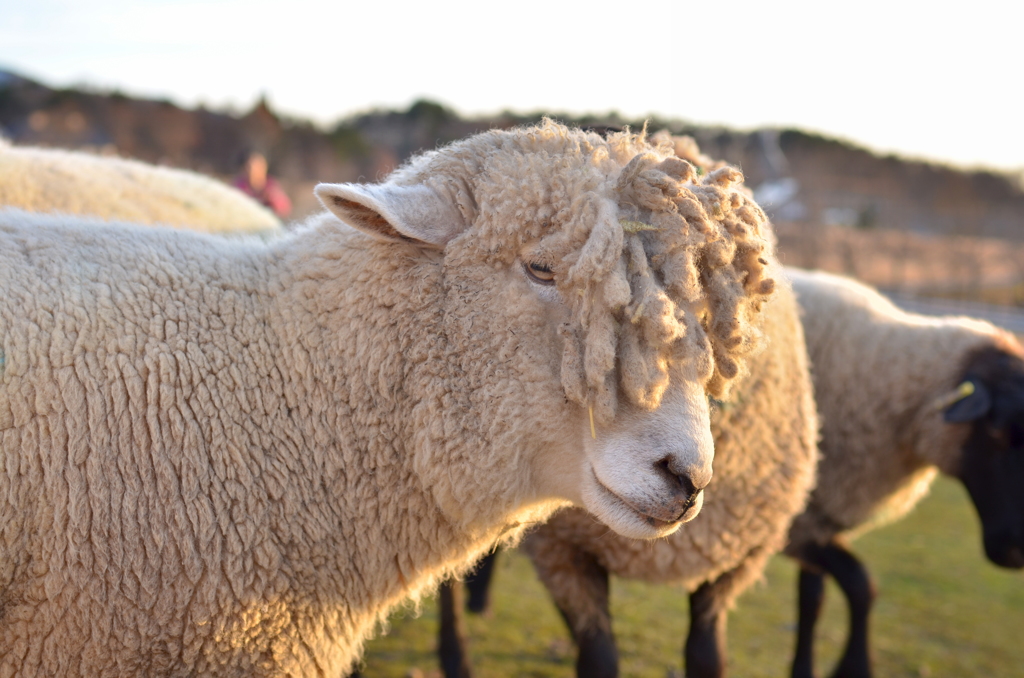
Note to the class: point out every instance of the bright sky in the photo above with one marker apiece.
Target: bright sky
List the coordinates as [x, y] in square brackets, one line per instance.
[935, 80]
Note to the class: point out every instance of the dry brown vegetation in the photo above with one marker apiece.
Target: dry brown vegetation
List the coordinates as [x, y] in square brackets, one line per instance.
[955, 267]
[915, 227]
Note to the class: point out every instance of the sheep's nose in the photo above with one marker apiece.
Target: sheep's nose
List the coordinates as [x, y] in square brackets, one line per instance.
[686, 479]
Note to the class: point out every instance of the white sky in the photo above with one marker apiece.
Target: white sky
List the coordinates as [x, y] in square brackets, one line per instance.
[934, 80]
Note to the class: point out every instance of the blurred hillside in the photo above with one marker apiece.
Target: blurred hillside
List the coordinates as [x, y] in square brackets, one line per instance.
[897, 223]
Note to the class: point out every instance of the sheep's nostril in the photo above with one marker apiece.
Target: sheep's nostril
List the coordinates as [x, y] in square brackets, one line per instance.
[681, 480]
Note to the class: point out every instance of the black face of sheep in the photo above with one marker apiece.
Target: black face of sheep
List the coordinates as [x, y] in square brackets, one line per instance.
[992, 466]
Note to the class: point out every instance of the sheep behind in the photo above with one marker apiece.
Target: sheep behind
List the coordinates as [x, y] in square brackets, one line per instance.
[890, 392]
[901, 396]
[765, 455]
[116, 189]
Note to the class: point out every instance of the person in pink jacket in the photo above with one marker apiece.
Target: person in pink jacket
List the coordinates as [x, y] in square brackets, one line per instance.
[254, 181]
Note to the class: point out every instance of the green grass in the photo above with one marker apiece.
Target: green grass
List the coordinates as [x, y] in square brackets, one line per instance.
[942, 611]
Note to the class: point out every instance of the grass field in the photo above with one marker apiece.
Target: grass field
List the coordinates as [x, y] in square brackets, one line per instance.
[943, 611]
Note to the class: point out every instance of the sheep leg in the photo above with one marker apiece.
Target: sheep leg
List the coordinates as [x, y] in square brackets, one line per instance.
[855, 582]
[704, 654]
[451, 646]
[478, 584]
[811, 595]
[837, 561]
[597, 657]
[705, 649]
[452, 649]
[578, 585]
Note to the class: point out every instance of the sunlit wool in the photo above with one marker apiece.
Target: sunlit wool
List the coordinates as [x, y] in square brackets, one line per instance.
[765, 443]
[233, 457]
[115, 189]
[677, 272]
[881, 373]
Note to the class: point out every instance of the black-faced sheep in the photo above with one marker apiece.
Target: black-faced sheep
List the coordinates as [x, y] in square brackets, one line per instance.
[232, 457]
[901, 396]
[115, 189]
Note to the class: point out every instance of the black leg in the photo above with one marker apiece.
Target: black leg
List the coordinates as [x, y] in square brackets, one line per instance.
[835, 560]
[704, 653]
[452, 647]
[856, 585]
[452, 636]
[478, 584]
[811, 596]
[578, 585]
[597, 657]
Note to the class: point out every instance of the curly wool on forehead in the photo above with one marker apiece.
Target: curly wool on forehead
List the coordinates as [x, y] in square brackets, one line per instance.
[658, 265]
[512, 185]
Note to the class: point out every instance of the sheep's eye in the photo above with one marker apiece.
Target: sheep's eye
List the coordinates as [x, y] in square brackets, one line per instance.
[540, 273]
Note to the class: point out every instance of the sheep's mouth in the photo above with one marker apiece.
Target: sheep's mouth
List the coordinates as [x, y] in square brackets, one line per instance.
[657, 523]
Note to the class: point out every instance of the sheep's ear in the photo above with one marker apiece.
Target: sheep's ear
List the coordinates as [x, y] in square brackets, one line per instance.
[971, 407]
[397, 213]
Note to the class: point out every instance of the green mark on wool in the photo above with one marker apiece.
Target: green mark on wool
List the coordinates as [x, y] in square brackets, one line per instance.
[636, 226]
[2, 360]
[717, 404]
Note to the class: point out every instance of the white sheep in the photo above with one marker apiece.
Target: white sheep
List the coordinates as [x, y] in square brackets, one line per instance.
[115, 189]
[765, 455]
[901, 396]
[233, 457]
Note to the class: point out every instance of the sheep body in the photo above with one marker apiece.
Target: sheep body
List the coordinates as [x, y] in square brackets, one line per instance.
[116, 189]
[882, 443]
[886, 384]
[232, 457]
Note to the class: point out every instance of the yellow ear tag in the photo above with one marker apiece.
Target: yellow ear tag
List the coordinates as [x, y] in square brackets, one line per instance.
[593, 432]
[962, 391]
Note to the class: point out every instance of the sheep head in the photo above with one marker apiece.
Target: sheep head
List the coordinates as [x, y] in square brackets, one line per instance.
[636, 284]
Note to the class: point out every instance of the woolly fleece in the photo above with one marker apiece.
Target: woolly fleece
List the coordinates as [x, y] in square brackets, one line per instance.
[765, 456]
[233, 457]
[115, 189]
[878, 372]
